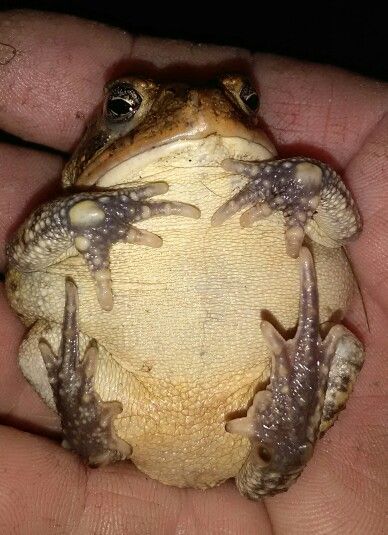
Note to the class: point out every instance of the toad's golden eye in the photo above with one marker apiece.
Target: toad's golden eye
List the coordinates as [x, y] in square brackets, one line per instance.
[122, 102]
[241, 92]
[249, 97]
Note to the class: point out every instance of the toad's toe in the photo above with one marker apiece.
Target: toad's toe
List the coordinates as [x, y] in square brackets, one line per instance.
[311, 196]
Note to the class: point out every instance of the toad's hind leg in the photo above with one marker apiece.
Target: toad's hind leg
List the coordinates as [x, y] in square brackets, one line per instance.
[310, 382]
[86, 420]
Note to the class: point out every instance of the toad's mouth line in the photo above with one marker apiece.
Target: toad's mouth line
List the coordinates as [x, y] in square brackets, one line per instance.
[124, 167]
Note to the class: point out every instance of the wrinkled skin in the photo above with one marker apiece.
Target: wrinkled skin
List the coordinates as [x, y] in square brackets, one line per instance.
[342, 487]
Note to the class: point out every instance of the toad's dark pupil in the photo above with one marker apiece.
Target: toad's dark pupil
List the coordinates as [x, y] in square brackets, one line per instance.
[119, 107]
[252, 101]
[250, 97]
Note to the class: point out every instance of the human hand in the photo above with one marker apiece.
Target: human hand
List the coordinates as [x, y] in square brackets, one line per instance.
[48, 89]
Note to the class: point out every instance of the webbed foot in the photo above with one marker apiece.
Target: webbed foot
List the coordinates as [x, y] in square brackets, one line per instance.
[86, 420]
[309, 383]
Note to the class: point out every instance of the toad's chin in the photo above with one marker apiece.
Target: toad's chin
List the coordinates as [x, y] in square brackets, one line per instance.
[179, 154]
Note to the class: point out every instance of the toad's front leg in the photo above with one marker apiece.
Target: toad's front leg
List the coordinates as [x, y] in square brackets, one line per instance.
[310, 194]
[309, 384]
[86, 420]
[92, 223]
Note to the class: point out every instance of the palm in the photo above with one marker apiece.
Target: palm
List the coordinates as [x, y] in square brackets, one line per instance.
[309, 110]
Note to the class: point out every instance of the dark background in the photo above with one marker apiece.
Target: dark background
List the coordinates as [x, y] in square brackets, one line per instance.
[339, 33]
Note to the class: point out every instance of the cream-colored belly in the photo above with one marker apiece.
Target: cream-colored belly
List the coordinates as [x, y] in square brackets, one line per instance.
[184, 334]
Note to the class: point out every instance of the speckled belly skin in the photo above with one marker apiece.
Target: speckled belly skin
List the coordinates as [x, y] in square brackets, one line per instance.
[183, 350]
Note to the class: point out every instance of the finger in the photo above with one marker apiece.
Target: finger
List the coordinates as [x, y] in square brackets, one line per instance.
[369, 170]
[317, 110]
[54, 80]
[47, 490]
[313, 111]
[20, 405]
[31, 495]
[27, 177]
[55, 76]
[343, 487]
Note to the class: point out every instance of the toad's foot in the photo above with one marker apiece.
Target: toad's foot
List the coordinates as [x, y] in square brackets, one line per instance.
[92, 222]
[87, 421]
[310, 194]
[309, 383]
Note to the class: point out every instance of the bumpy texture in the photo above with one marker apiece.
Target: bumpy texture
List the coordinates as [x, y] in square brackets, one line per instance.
[92, 223]
[215, 283]
[310, 194]
[285, 419]
[87, 421]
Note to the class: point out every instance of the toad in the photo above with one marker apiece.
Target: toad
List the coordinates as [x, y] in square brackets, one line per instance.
[165, 329]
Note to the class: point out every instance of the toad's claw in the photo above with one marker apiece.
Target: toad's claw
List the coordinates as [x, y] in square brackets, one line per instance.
[92, 223]
[86, 420]
[307, 379]
[310, 194]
